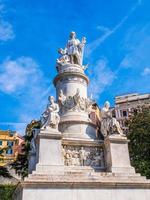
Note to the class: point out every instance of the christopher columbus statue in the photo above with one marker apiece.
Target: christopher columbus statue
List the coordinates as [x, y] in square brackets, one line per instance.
[73, 53]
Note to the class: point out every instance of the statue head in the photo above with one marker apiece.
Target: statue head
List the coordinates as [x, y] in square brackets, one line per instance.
[107, 105]
[51, 99]
[72, 34]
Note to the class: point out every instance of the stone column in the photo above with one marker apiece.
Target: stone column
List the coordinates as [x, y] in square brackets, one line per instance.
[75, 121]
[117, 154]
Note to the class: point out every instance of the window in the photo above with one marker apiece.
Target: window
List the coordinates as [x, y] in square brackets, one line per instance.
[10, 143]
[124, 113]
[9, 151]
[1, 142]
[11, 133]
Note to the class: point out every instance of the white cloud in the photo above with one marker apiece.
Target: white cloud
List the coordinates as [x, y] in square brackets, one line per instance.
[6, 31]
[6, 28]
[137, 46]
[103, 28]
[146, 71]
[101, 76]
[18, 74]
[23, 80]
[108, 32]
[127, 61]
[134, 67]
[1, 7]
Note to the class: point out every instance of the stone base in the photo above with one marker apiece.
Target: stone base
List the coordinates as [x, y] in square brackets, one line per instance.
[117, 154]
[85, 194]
[86, 186]
[49, 150]
[122, 169]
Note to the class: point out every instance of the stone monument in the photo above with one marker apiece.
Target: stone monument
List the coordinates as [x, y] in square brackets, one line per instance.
[67, 160]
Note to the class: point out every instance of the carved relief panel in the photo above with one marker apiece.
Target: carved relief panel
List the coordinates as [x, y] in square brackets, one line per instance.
[83, 156]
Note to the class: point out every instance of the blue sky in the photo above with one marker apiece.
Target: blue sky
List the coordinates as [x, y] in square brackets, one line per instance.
[117, 51]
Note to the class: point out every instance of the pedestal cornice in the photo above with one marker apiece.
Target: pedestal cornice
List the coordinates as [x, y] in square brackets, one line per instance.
[65, 74]
[116, 138]
[50, 133]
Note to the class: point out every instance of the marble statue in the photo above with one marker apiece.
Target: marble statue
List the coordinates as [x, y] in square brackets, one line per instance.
[50, 117]
[109, 124]
[74, 103]
[77, 96]
[64, 58]
[61, 98]
[73, 53]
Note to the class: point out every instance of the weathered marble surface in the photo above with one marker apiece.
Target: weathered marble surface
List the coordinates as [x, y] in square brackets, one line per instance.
[86, 194]
[83, 156]
[117, 154]
[50, 117]
[109, 124]
[85, 186]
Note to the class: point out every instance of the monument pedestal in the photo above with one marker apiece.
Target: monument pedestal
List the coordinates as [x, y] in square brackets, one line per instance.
[49, 151]
[86, 186]
[117, 154]
[52, 180]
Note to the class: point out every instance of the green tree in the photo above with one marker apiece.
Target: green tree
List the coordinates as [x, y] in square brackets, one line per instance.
[139, 136]
[6, 191]
[21, 163]
[4, 172]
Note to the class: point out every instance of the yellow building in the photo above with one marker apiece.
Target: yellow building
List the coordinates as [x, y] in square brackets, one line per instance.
[10, 143]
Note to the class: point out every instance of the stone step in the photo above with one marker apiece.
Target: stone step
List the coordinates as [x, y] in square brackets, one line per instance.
[84, 177]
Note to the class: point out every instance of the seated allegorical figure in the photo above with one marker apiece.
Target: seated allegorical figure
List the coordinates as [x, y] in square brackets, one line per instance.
[50, 117]
[109, 124]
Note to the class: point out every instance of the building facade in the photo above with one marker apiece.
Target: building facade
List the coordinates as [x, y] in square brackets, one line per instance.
[125, 104]
[11, 143]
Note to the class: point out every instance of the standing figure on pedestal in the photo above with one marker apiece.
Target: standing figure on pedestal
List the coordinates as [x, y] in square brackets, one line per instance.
[75, 49]
[73, 53]
[50, 117]
[109, 124]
